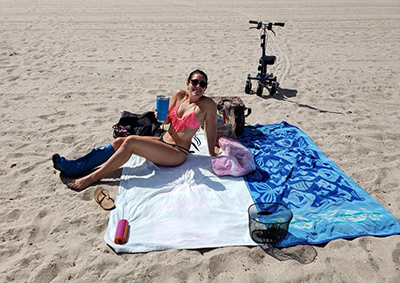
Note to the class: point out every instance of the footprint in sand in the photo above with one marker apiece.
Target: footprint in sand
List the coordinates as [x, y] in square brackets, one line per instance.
[396, 254]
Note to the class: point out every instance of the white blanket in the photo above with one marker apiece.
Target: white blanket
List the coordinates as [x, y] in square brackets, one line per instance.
[182, 207]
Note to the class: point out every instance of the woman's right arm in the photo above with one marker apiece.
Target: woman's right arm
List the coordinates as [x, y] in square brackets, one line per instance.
[172, 102]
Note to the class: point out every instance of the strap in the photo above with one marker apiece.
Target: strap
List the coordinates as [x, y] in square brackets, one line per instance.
[197, 141]
[183, 100]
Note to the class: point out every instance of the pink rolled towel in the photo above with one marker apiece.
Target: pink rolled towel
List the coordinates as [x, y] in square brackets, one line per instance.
[237, 162]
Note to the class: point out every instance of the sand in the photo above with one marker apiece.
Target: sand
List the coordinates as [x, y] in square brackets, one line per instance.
[69, 68]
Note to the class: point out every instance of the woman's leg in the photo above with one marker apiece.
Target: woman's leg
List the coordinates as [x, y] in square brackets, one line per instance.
[83, 165]
[150, 148]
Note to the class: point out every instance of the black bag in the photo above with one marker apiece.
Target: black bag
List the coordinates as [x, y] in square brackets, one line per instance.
[234, 114]
[136, 124]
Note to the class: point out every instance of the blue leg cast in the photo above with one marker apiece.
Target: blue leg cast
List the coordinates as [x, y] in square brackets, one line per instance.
[84, 164]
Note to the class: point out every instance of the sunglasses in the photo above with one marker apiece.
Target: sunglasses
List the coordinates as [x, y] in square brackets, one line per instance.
[196, 82]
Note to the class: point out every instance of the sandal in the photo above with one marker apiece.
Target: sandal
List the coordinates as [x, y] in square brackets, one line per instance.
[102, 197]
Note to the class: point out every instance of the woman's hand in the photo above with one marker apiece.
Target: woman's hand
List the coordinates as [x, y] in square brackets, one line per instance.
[217, 151]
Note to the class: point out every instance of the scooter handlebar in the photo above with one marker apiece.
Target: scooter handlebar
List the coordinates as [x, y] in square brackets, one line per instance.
[265, 23]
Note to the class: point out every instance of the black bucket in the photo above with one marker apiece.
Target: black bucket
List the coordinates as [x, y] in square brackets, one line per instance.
[268, 222]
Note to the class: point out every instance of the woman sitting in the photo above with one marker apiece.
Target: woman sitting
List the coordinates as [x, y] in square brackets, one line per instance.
[187, 111]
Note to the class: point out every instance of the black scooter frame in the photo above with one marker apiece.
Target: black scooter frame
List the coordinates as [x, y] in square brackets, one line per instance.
[265, 79]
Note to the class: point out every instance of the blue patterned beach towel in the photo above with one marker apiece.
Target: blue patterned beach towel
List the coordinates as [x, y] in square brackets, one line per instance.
[326, 203]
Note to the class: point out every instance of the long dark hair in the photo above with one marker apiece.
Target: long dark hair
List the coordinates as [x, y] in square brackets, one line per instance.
[197, 71]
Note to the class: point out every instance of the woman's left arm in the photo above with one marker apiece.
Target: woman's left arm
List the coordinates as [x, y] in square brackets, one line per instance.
[211, 126]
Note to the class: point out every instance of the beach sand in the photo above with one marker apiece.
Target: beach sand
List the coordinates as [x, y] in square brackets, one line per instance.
[69, 68]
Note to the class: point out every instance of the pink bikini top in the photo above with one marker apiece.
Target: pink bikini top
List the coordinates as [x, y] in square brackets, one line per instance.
[180, 124]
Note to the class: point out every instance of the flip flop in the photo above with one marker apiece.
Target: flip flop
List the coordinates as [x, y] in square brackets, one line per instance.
[102, 197]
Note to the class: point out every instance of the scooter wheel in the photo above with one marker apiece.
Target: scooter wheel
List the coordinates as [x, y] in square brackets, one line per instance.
[247, 88]
[260, 89]
[273, 89]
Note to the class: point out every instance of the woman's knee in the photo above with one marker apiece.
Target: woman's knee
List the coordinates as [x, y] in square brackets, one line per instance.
[116, 144]
[131, 141]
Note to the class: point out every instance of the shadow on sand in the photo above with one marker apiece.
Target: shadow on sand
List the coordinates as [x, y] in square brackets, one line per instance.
[284, 93]
[304, 254]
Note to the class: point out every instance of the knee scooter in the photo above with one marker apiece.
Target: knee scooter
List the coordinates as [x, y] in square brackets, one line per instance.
[265, 79]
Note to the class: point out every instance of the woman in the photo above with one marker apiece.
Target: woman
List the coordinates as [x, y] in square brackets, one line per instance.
[187, 111]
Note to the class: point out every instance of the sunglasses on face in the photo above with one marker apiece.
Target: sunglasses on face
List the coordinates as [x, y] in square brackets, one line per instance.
[196, 82]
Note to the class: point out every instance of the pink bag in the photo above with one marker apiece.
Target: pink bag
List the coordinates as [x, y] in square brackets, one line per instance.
[237, 162]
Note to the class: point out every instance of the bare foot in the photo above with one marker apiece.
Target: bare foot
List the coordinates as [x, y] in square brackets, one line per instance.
[81, 183]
